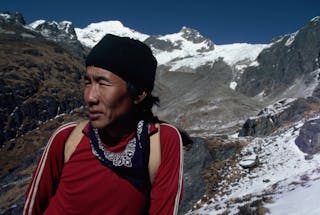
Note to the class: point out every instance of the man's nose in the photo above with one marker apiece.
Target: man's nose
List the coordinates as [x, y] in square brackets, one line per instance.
[93, 94]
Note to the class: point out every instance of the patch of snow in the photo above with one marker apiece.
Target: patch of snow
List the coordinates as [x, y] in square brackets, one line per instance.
[4, 15]
[208, 108]
[261, 95]
[240, 67]
[231, 54]
[298, 200]
[254, 64]
[276, 108]
[233, 85]
[35, 24]
[315, 19]
[283, 174]
[290, 40]
[25, 35]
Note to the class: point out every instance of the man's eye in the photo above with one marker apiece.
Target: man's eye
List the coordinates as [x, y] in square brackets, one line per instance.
[104, 83]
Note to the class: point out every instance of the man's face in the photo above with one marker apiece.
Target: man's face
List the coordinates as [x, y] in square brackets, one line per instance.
[106, 96]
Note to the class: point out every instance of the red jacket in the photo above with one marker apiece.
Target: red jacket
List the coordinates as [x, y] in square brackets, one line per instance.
[84, 186]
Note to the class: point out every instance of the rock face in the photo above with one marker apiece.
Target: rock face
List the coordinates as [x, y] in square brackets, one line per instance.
[39, 80]
[289, 58]
[62, 33]
[195, 37]
[202, 101]
[12, 19]
[282, 112]
[308, 140]
[198, 158]
[160, 43]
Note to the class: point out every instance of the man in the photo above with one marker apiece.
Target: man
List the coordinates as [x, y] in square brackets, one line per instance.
[107, 172]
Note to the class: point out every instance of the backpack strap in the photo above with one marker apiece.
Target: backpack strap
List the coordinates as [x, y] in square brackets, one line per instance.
[155, 153]
[73, 140]
[155, 147]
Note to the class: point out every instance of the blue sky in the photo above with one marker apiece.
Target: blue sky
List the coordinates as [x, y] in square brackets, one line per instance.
[222, 21]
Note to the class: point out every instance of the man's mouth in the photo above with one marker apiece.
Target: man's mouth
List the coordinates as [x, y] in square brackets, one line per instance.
[94, 115]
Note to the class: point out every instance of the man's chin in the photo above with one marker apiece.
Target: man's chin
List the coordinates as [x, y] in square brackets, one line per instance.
[97, 124]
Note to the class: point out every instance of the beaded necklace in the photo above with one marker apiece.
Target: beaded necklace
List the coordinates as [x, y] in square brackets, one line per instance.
[123, 158]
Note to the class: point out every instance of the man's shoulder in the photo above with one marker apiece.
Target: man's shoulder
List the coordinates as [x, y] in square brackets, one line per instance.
[66, 127]
[169, 134]
[169, 128]
[170, 131]
[63, 131]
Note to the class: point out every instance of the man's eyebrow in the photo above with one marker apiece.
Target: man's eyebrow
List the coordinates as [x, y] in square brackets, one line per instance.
[97, 78]
[101, 78]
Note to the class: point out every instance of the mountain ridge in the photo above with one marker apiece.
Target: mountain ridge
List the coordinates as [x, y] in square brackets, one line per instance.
[238, 108]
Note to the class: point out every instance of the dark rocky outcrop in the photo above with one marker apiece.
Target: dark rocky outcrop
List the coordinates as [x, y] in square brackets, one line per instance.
[308, 140]
[265, 124]
[39, 80]
[197, 159]
[62, 33]
[163, 45]
[288, 59]
[195, 37]
[12, 19]
[187, 33]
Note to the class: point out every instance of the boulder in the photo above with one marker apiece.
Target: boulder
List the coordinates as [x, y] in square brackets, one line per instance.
[308, 140]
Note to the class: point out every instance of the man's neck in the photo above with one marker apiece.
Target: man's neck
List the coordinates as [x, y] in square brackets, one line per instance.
[111, 135]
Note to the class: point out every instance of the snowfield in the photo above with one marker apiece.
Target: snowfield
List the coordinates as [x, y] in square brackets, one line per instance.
[285, 174]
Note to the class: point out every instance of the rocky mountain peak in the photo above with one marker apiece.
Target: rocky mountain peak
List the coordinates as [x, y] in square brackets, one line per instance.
[62, 33]
[12, 18]
[56, 31]
[316, 19]
[192, 34]
[92, 34]
[195, 37]
[290, 61]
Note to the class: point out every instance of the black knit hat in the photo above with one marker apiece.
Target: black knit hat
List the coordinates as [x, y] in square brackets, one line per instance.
[128, 58]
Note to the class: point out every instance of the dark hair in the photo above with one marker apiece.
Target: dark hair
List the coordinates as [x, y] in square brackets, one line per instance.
[145, 107]
[145, 110]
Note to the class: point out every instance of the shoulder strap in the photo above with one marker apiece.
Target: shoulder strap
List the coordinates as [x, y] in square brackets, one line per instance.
[73, 140]
[155, 153]
[155, 147]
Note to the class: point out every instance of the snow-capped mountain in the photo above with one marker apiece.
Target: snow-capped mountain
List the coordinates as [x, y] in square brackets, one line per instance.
[184, 51]
[290, 66]
[59, 32]
[12, 18]
[187, 48]
[251, 109]
[91, 34]
[49, 29]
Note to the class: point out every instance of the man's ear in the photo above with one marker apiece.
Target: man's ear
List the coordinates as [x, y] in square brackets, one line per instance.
[140, 98]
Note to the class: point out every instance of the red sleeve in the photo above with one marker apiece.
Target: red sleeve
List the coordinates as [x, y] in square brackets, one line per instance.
[46, 176]
[167, 187]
